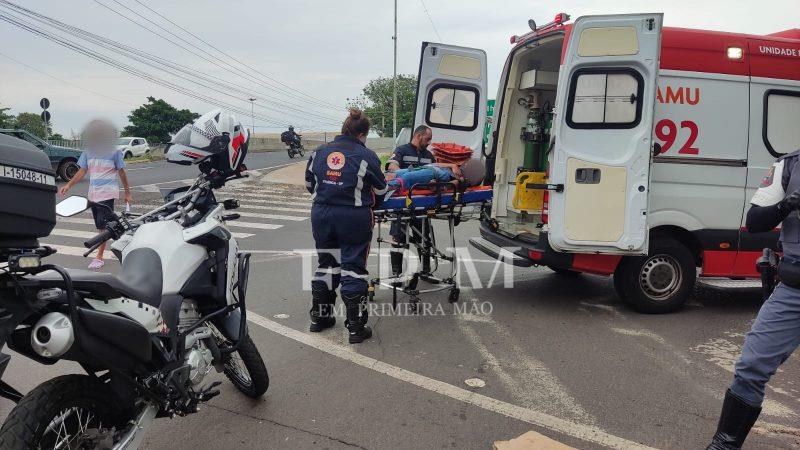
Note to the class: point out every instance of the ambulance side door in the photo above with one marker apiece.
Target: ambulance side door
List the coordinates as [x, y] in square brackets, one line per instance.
[451, 95]
[600, 164]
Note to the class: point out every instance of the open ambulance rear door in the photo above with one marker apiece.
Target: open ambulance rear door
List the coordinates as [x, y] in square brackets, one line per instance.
[600, 165]
[451, 95]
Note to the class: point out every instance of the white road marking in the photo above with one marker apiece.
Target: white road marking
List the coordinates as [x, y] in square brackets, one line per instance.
[73, 233]
[91, 234]
[259, 226]
[577, 430]
[76, 220]
[641, 333]
[274, 208]
[724, 354]
[233, 223]
[147, 188]
[269, 194]
[271, 200]
[272, 216]
[151, 206]
[67, 249]
[526, 378]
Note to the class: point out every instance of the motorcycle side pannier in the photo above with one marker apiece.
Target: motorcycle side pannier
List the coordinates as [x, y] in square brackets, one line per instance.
[27, 194]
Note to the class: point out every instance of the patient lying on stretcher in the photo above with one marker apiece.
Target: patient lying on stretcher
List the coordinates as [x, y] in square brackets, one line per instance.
[469, 173]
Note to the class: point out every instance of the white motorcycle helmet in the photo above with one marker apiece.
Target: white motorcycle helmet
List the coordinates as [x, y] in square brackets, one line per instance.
[216, 140]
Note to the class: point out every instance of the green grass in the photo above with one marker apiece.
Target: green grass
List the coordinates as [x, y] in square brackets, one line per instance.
[143, 158]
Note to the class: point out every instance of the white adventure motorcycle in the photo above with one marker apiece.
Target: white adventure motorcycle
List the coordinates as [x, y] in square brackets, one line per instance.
[147, 338]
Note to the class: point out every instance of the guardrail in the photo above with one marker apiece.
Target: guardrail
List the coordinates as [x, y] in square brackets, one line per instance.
[70, 143]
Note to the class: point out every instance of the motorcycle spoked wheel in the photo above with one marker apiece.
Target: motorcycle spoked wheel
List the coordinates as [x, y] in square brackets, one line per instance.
[291, 153]
[245, 368]
[70, 411]
[300, 152]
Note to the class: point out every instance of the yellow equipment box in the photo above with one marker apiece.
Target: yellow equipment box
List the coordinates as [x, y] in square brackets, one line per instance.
[528, 199]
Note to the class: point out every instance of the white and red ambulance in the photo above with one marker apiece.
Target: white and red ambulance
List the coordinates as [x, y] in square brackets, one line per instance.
[654, 140]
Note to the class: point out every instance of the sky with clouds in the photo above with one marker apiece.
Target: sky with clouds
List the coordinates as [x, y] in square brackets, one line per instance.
[328, 50]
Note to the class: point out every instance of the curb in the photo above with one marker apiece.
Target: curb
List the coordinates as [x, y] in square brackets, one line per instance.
[293, 174]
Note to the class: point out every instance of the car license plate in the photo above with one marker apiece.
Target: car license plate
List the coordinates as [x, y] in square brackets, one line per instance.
[27, 175]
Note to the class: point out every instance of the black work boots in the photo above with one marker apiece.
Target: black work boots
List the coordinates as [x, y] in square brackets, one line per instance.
[735, 421]
[357, 316]
[321, 313]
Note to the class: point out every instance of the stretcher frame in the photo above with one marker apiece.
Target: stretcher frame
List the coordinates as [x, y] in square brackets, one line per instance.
[450, 206]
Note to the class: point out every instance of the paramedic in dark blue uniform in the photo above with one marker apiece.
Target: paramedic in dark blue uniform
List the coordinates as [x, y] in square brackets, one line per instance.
[775, 333]
[343, 178]
[413, 154]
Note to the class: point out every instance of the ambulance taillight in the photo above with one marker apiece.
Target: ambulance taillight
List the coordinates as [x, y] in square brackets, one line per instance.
[546, 197]
[545, 205]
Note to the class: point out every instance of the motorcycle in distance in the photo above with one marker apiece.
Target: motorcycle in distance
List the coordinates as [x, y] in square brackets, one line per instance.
[295, 149]
[146, 338]
[292, 140]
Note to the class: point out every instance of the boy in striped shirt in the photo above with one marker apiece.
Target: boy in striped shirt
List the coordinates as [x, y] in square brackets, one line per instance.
[104, 163]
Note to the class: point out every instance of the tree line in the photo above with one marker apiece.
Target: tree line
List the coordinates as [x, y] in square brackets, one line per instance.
[156, 119]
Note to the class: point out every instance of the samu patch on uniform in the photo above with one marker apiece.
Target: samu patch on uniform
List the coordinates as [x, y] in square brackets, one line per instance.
[336, 160]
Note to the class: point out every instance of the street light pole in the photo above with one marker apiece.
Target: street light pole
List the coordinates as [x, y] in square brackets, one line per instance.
[394, 78]
[252, 114]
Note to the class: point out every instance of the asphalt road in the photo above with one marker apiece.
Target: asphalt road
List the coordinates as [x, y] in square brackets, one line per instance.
[559, 356]
[148, 176]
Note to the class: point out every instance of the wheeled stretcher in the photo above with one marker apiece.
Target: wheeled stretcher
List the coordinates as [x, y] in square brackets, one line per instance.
[428, 201]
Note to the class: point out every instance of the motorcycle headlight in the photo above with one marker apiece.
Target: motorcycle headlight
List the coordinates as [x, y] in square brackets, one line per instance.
[24, 262]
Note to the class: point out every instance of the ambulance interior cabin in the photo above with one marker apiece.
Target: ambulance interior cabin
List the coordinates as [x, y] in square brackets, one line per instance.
[523, 135]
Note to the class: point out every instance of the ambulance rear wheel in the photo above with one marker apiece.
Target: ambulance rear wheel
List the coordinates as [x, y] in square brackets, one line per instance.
[660, 282]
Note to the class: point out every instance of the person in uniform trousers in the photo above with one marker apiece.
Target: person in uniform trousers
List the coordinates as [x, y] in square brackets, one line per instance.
[413, 154]
[343, 178]
[775, 333]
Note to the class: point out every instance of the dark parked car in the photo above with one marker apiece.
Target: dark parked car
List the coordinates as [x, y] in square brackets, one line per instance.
[63, 159]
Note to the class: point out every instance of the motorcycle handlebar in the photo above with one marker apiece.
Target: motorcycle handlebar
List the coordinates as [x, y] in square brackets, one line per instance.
[101, 237]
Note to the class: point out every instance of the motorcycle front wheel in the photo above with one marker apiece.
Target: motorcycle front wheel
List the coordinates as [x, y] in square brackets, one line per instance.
[70, 411]
[291, 153]
[245, 368]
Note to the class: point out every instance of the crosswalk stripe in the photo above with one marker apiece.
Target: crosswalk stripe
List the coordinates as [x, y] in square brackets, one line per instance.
[76, 220]
[234, 223]
[90, 234]
[276, 201]
[67, 249]
[269, 194]
[272, 216]
[73, 233]
[275, 208]
[148, 207]
[264, 188]
[259, 226]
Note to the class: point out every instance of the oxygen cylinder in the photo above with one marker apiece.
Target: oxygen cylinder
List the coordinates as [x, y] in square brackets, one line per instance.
[528, 136]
